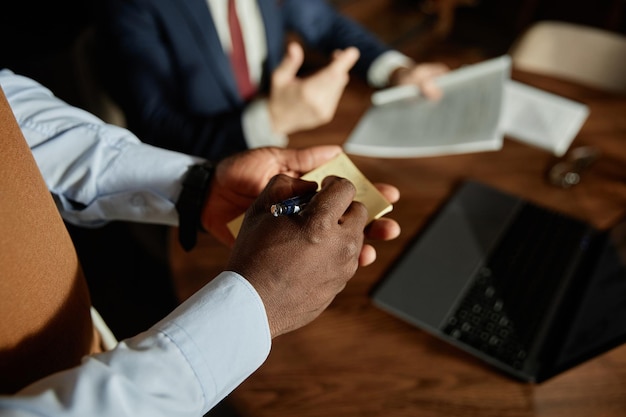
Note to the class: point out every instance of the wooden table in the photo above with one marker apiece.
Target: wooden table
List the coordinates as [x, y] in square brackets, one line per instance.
[356, 360]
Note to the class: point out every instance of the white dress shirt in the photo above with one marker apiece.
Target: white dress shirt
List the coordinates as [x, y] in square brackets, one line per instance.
[199, 353]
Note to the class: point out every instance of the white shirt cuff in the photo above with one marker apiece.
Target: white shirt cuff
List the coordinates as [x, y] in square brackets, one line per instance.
[223, 333]
[257, 127]
[380, 71]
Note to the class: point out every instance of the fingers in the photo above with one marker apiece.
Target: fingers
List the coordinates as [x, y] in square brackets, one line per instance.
[383, 229]
[304, 103]
[289, 66]
[424, 75]
[322, 91]
[279, 188]
[431, 91]
[344, 60]
[433, 69]
[333, 199]
[336, 74]
[367, 256]
[391, 193]
[282, 187]
[300, 161]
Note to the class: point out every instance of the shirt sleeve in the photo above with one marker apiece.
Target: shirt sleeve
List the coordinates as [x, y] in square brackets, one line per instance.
[380, 71]
[97, 172]
[181, 367]
[257, 127]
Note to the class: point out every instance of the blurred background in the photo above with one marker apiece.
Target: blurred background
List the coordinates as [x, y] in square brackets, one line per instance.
[45, 40]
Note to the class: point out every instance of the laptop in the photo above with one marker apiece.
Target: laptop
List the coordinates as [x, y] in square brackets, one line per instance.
[528, 290]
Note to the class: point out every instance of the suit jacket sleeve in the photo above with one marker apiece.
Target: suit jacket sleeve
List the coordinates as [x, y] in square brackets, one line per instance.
[324, 28]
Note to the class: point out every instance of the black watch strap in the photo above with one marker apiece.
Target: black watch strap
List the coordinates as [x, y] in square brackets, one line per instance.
[191, 201]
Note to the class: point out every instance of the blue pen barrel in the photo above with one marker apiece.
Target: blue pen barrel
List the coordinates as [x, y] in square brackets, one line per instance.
[292, 205]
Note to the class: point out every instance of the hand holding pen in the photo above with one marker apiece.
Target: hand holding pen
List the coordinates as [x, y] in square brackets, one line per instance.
[306, 258]
[381, 229]
[291, 205]
[240, 178]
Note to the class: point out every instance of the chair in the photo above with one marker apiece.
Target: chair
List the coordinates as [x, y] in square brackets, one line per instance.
[587, 55]
[93, 94]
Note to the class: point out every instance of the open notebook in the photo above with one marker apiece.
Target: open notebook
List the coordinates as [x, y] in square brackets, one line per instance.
[480, 105]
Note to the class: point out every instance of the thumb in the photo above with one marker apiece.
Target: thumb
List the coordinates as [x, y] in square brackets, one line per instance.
[291, 63]
[300, 161]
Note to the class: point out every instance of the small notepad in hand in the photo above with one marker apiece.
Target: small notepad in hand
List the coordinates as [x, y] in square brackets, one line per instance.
[341, 166]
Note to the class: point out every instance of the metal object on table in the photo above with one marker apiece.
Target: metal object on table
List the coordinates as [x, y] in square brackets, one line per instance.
[567, 172]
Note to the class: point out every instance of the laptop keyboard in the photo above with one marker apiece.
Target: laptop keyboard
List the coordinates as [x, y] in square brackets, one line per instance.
[517, 284]
[481, 322]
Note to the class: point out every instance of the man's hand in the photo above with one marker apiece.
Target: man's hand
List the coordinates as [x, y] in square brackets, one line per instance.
[304, 103]
[423, 76]
[239, 180]
[299, 263]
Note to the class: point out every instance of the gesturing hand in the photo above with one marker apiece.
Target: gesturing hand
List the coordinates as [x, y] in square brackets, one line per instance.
[304, 103]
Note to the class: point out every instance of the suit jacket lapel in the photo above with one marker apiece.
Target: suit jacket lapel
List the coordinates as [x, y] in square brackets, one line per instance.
[199, 16]
[272, 19]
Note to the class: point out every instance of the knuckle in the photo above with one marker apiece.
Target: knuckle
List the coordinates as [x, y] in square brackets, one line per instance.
[350, 251]
[361, 209]
[317, 230]
[346, 184]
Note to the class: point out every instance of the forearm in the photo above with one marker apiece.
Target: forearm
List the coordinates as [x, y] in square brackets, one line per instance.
[96, 172]
[183, 366]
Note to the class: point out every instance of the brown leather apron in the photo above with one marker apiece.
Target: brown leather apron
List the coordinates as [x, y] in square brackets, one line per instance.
[45, 322]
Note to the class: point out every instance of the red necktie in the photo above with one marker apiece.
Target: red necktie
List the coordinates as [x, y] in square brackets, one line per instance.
[238, 54]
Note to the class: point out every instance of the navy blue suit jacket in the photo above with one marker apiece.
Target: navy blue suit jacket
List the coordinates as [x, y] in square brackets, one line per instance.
[174, 82]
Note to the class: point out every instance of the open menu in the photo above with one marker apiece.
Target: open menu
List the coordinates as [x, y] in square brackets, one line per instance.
[480, 105]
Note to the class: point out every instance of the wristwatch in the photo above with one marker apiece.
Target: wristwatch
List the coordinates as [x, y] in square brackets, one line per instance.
[191, 201]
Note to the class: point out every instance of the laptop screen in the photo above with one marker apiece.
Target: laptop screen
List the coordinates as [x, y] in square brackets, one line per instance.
[600, 312]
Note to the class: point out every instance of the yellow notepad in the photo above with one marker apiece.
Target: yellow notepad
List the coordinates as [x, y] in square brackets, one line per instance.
[341, 166]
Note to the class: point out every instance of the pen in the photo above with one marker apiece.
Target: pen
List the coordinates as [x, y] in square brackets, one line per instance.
[292, 205]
